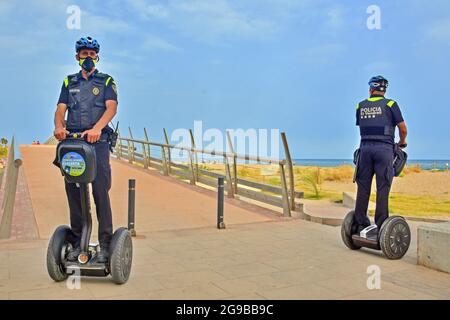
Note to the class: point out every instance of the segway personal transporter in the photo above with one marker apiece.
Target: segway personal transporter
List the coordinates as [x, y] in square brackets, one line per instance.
[394, 236]
[77, 161]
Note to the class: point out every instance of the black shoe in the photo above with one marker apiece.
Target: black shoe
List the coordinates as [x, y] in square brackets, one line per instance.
[359, 229]
[73, 254]
[103, 255]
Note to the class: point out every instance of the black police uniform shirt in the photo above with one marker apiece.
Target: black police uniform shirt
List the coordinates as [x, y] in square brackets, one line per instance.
[395, 115]
[110, 92]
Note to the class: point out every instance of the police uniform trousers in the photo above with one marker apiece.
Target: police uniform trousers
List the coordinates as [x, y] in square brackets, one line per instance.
[100, 190]
[376, 158]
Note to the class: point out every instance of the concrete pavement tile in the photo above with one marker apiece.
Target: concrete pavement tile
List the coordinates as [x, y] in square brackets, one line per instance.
[299, 292]
[303, 275]
[156, 269]
[294, 262]
[346, 286]
[238, 286]
[23, 284]
[249, 296]
[27, 271]
[205, 291]
[4, 273]
[102, 288]
[138, 296]
[188, 278]
[216, 264]
[252, 257]
[245, 270]
[419, 278]
[408, 293]
[146, 283]
[55, 293]
[268, 282]
[375, 295]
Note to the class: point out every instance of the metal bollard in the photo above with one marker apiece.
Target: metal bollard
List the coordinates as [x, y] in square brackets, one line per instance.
[220, 198]
[131, 205]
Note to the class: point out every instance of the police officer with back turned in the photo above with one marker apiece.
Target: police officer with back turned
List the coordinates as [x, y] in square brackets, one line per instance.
[90, 97]
[377, 118]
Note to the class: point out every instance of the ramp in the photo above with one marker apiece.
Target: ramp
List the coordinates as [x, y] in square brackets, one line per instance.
[162, 203]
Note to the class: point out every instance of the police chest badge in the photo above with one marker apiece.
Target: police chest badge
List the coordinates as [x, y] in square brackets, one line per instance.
[95, 91]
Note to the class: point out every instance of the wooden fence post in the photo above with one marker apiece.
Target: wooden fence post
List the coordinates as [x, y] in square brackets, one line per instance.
[195, 154]
[166, 138]
[9, 195]
[284, 193]
[235, 175]
[230, 188]
[290, 171]
[148, 146]
[133, 159]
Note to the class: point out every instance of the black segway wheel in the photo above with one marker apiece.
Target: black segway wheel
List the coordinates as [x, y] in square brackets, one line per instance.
[395, 237]
[121, 255]
[346, 231]
[57, 250]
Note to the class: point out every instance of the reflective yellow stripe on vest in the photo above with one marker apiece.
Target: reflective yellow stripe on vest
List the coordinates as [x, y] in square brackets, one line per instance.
[107, 80]
[66, 82]
[357, 106]
[390, 103]
[375, 99]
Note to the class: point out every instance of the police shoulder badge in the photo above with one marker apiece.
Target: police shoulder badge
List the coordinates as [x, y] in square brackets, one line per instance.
[114, 87]
[95, 91]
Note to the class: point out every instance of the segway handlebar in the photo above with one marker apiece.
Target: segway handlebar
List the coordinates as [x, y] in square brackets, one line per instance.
[75, 135]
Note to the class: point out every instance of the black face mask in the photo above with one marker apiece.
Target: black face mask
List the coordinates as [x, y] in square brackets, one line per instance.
[87, 64]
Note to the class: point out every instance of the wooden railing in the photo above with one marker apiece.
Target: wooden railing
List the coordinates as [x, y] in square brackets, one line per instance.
[8, 190]
[282, 196]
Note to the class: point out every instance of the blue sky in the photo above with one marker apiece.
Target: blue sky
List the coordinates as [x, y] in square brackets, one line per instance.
[300, 66]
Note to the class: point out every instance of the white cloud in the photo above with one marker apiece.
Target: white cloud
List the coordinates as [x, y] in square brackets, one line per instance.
[439, 31]
[321, 54]
[206, 20]
[155, 43]
[214, 19]
[335, 17]
[100, 25]
[5, 8]
[149, 11]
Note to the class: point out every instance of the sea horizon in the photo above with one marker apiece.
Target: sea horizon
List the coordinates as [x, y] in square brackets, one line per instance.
[427, 164]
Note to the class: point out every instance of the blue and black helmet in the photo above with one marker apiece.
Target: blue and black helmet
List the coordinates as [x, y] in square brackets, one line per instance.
[378, 83]
[87, 43]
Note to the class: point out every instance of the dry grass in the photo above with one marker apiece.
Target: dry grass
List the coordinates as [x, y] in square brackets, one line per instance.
[313, 182]
[411, 169]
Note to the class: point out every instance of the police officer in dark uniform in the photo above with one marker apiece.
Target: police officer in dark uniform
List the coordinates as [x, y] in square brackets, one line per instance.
[377, 118]
[90, 97]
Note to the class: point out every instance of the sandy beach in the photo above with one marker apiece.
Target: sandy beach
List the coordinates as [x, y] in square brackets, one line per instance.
[421, 193]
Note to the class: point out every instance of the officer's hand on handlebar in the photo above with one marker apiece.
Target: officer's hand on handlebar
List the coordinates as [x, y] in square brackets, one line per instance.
[402, 144]
[93, 135]
[60, 133]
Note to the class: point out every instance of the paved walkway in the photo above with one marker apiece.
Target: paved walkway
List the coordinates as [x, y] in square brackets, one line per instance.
[179, 253]
[272, 260]
[162, 203]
